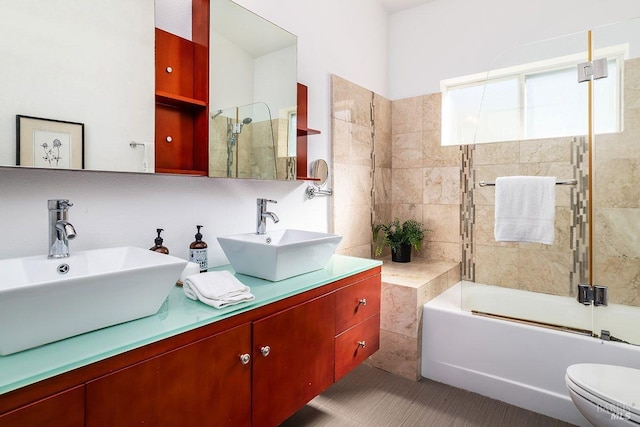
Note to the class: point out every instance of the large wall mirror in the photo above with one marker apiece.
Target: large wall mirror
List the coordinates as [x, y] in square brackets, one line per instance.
[80, 74]
[252, 95]
[77, 62]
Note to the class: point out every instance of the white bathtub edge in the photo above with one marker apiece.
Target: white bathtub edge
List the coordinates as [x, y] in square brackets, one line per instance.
[516, 363]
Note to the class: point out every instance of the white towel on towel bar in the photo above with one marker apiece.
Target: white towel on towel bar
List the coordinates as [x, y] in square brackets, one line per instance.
[525, 209]
[218, 289]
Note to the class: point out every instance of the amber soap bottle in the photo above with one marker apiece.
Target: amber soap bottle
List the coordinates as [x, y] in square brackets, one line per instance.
[198, 251]
[158, 247]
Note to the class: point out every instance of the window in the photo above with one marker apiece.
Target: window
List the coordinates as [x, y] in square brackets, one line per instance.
[531, 101]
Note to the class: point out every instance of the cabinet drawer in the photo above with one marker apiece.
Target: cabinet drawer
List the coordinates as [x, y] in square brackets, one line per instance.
[356, 344]
[357, 302]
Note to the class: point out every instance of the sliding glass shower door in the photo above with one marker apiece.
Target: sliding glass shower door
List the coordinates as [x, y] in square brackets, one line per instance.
[616, 181]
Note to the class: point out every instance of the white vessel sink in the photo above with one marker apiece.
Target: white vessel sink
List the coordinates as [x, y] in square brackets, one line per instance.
[279, 254]
[44, 300]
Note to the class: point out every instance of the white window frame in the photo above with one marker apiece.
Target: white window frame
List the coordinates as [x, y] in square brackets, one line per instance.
[618, 53]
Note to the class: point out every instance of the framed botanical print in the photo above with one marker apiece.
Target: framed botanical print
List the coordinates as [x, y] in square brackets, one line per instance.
[47, 143]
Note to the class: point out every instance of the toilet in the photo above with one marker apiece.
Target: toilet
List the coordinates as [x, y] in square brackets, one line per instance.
[606, 395]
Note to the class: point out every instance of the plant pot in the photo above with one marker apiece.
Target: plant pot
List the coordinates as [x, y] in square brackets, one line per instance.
[402, 253]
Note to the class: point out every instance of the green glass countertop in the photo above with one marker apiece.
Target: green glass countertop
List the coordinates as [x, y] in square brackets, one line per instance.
[178, 314]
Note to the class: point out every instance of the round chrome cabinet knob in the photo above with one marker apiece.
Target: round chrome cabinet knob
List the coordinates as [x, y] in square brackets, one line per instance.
[245, 358]
[265, 350]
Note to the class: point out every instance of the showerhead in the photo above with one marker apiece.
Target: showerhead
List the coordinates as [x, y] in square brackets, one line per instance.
[213, 116]
[237, 127]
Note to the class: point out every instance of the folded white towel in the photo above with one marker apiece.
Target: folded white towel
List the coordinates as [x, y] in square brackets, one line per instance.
[218, 289]
[525, 209]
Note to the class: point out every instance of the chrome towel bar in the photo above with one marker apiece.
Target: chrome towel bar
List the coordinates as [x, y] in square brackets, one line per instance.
[562, 182]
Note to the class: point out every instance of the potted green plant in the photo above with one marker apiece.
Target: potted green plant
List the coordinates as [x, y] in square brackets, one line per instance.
[401, 238]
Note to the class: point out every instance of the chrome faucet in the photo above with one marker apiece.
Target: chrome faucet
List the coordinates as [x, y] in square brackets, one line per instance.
[60, 229]
[262, 214]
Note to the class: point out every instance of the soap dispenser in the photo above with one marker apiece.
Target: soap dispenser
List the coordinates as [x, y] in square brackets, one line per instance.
[198, 251]
[158, 247]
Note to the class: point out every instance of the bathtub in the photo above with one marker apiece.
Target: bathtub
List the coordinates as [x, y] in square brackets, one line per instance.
[514, 362]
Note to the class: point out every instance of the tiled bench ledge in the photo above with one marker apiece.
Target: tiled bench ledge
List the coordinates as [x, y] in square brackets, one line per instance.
[405, 289]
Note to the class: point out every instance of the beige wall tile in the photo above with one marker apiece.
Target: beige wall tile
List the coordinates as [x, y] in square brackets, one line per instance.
[546, 150]
[352, 185]
[619, 145]
[406, 185]
[407, 150]
[406, 115]
[496, 265]
[617, 232]
[432, 113]
[544, 271]
[361, 145]
[354, 225]
[382, 213]
[397, 354]
[497, 153]
[382, 186]
[382, 113]
[616, 183]
[362, 251]
[341, 138]
[432, 289]
[435, 155]
[621, 275]
[351, 103]
[443, 221]
[398, 309]
[441, 185]
[405, 211]
[631, 88]
[382, 149]
[441, 251]
[352, 143]
[484, 225]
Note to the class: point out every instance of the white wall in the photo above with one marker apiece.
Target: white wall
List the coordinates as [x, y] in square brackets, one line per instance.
[231, 79]
[451, 38]
[273, 73]
[346, 38]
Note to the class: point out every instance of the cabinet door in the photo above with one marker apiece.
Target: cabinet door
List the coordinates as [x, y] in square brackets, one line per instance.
[299, 362]
[174, 64]
[174, 138]
[201, 384]
[64, 409]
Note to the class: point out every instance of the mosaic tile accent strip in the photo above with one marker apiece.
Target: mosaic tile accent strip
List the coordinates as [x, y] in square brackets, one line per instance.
[467, 211]
[579, 214]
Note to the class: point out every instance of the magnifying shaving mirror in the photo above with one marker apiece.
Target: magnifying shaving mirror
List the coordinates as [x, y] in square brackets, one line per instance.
[320, 172]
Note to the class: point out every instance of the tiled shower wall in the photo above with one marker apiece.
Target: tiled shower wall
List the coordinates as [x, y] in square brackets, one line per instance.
[361, 144]
[388, 163]
[380, 175]
[426, 176]
[617, 200]
[255, 156]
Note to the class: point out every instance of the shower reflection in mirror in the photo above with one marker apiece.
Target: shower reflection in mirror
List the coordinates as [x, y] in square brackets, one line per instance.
[243, 143]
